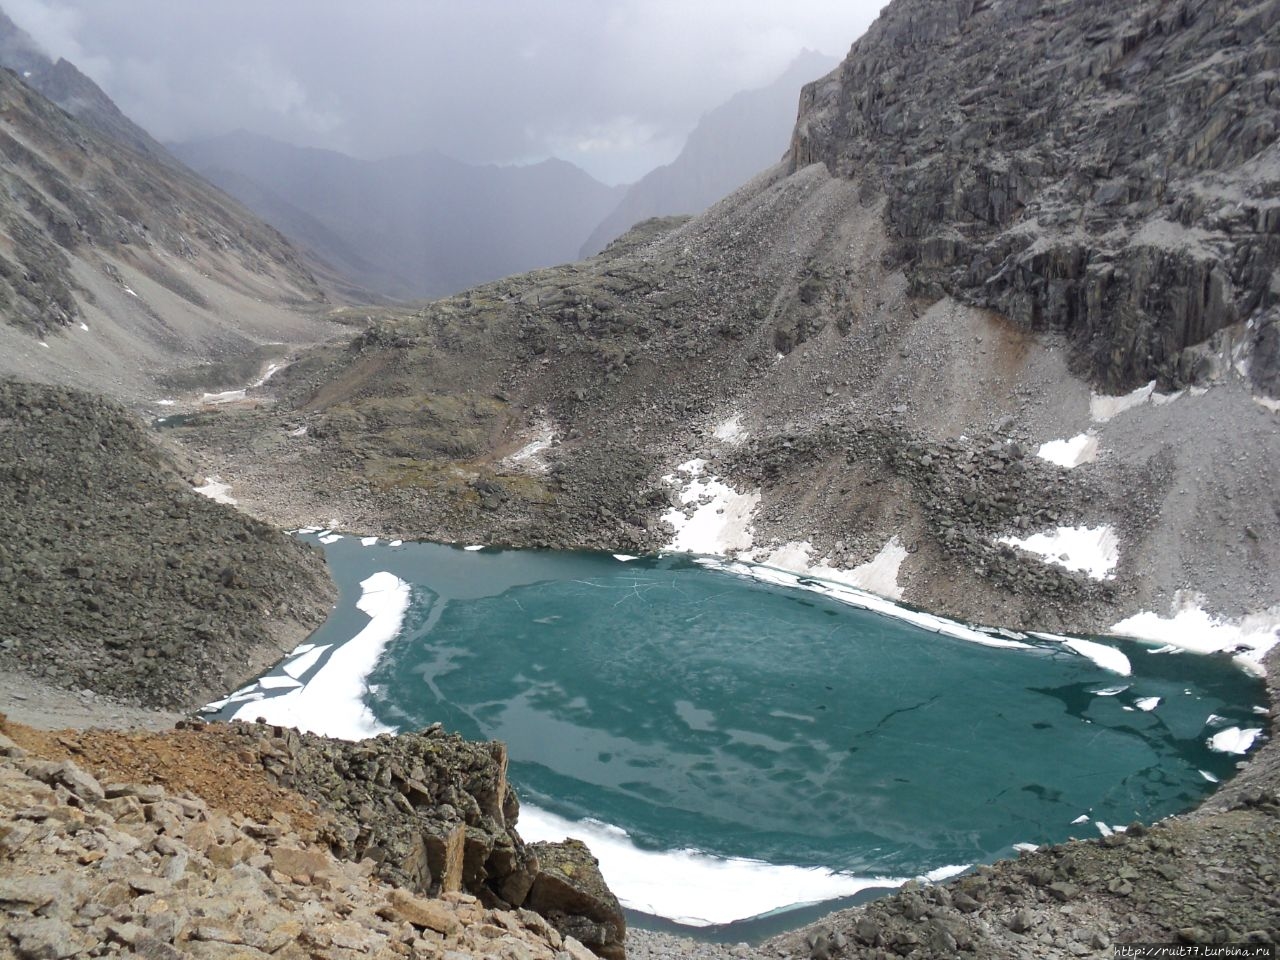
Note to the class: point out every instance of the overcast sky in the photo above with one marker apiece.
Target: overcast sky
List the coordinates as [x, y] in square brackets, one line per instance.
[611, 85]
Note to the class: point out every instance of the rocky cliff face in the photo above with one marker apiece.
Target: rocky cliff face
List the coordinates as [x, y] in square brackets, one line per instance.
[1109, 172]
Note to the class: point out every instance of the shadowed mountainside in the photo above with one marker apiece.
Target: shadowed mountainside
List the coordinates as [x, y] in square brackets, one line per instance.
[421, 225]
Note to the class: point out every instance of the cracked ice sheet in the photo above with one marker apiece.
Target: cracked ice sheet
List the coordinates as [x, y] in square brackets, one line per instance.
[1190, 627]
[696, 888]
[1093, 550]
[332, 703]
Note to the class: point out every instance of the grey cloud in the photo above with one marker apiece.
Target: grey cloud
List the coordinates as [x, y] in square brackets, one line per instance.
[613, 85]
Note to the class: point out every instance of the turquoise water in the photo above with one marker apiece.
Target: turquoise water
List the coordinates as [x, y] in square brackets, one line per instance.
[698, 709]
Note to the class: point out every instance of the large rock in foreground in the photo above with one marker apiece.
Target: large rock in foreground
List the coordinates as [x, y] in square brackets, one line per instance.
[571, 893]
[437, 816]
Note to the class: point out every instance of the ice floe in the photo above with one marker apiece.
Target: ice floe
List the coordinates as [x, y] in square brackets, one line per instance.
[368, 541]
[1190, 627]
[305, 660]
[1082, 448]
[328, 538]
[696, 888]
[1147, 704]
[1108, 658]
[1094, 551]
[1234, 740]
[332, 702]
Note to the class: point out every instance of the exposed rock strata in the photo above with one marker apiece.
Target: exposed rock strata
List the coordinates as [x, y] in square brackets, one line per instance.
[1105, 172]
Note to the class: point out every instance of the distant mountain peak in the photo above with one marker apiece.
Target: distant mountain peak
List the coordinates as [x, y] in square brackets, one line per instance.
[731, 143]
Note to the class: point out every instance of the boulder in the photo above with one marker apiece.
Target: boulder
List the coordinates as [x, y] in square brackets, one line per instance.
[571, 893]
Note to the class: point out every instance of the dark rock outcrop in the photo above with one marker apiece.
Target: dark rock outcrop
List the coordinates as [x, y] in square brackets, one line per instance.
[1104, 172]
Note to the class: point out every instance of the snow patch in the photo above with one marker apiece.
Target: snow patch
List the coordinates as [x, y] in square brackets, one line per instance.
[1268, 403]
[1190, 627]
[271, 371]
[1094, 551]
[1082, 448]
[84, 326]
[227, 396]
[530, 457]
[165, 403]
[299, 432]
[216, 491]
[715, 520]
[1102, 409]
[731, 431]
[879, 575]
[696, 888]
[43, 344]
[332, 703]
[130, 291]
